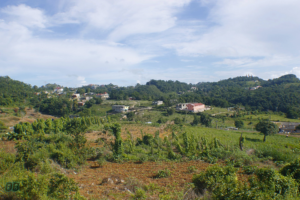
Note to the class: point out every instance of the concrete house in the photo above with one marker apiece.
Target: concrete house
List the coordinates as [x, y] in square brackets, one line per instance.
[103, 95]
[157, 103]
[58, 90]
[86, 98]
[182, 106]
[192, 107]
[120, 108]
[76, 96]
[287, 127]
[81, 104]
[195, 107]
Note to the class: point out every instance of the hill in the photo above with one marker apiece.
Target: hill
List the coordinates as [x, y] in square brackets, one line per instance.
[14, 92]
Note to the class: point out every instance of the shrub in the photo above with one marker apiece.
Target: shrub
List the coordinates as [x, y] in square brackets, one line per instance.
[163, 173]
[147, 139]
[221, 182]
[6, 161]
[239, 123]
[271, 184]
[292, 169]
[191, 169]
[32, 187]
[101, 162]
[139, 194]
[60, 186]
[143, 158]
[249, 169]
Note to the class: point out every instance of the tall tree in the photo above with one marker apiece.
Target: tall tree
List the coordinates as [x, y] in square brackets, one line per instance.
[267, 128]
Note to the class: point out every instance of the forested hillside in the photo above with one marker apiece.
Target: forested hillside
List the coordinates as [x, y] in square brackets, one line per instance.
[281, 94]
[14, 92]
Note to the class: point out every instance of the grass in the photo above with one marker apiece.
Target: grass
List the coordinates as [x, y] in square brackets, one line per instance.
[127, 102]
[277, 146]
[101, 110]
[216, 110]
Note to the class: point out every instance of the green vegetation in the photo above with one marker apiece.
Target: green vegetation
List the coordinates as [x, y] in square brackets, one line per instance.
[222, 183]
[45, 148]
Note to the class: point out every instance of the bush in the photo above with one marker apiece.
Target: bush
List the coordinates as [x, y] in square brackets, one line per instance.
[6, 161]
[143, 158]
[101, 162]
[191, 169]
[139, 194]
[147, 139]
[292, 169]
[163, 173]
[221, 182]
[249, 169]
[60, 186]
[271, 185]
[239, 123]
[162, 120]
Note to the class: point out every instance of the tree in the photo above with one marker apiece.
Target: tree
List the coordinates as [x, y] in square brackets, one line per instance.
[292, 113]
[239, 123]
[197, 120]
[177, 120]
[205, 119]
[130, 116]
[170, 111]
[267, 128]
[98, 100]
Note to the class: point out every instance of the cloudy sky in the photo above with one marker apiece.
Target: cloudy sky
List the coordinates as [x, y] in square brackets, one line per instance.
[76, 42]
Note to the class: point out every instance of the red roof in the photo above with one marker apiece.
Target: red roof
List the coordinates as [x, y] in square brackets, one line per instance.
[197, 104]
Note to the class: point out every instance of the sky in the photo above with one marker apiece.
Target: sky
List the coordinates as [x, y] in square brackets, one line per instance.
[125, 42]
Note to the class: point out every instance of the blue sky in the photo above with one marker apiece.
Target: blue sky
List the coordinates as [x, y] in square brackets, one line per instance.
[75, 42]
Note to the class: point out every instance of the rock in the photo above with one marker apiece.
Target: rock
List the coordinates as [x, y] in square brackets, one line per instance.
[107, 180]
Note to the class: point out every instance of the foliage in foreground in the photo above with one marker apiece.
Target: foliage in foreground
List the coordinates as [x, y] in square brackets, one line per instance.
[222, 183]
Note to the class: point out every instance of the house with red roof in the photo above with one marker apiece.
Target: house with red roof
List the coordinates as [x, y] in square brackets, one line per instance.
[103, 95]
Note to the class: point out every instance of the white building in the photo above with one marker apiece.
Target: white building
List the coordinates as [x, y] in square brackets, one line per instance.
[76, 96]
[120, 108]
[157, 103]
[182, 106]
[103, 95]
[58, 90]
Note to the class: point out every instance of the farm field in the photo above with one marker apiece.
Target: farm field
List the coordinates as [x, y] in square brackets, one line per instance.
[92, 178]
[157, 161]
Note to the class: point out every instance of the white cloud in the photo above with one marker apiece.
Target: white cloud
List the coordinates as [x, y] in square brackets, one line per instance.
[124, 18]
[25, 15]
[244, 28]
[108, 40]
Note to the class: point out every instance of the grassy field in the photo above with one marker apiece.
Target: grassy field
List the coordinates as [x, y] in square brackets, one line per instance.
[9, 118]
[128, 103]
[218, 110]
